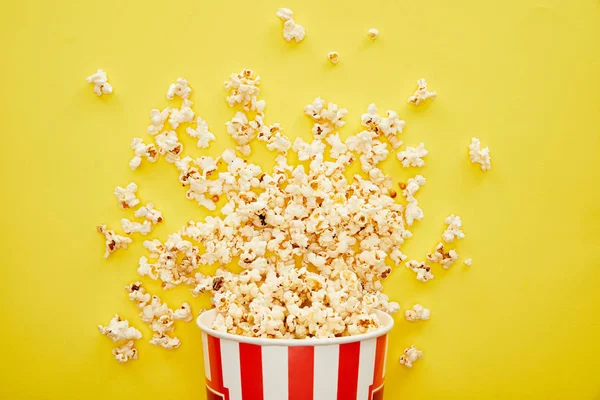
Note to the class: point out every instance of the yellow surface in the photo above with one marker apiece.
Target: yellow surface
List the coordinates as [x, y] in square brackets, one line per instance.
[521, 323]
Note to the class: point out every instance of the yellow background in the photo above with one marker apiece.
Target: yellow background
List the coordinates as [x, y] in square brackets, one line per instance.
[524, 76]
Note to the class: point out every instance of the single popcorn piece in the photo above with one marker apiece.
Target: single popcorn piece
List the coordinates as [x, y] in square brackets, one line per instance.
[182, 115]
[157, 120]
[293, 31]
[150, 213]
[468, 262]
[480, 156]
[422, 270]
[112, 240]
[126, 196]
[421, 94]
[333, 57]
[142, 150]
[412, 156]
[411, 354]
[201, 133]
[169, 146]
[453, 231]
[418, 313]
[243, 89]
[373, 33]
[183, 313]
[180, 88]
[445, 259]
[136, 227]
[125, 352]
[118, 330]
[285, 14]
[100, 81]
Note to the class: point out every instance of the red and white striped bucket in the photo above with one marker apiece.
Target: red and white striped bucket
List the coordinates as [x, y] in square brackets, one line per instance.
[244, 368]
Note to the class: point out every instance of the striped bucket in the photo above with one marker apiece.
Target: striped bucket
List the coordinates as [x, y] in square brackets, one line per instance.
[244, 368]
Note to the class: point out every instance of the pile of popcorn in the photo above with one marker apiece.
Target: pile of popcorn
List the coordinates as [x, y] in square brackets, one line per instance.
[314, 243]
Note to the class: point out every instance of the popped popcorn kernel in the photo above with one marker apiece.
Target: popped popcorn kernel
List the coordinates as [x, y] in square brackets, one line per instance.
[243, 89]
[373, 33]
[418, 313]
[125, 352]
[440, 256]
[285, 14]
[480, 156]
[327, 117]
[201, 133]
[293, 31]
[421, 94]
[413, 156]
[411, 354]
[100, 81]
[142, 150]
[126, 196]
[112, 240]
[129, 227]
[157, 120]
[333, 57]
[180, 88]
[118, 330]
[453, 230]
[422, 270]
[468, 262]
[150, 213]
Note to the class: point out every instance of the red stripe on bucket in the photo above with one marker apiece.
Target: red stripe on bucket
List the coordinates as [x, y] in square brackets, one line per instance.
[216, 371]
[251, 371]
[348, 371]
[301, 361]
[379, 364]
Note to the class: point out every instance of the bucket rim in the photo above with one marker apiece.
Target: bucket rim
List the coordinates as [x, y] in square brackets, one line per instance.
[205, 319]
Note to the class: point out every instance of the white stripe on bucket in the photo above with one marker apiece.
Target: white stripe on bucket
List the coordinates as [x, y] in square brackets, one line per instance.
[366, 367]
[326, 362]
[206, 357]
[230, 360]
[275, 372]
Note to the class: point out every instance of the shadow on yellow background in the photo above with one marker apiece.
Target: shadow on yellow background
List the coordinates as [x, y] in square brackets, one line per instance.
[521, 323]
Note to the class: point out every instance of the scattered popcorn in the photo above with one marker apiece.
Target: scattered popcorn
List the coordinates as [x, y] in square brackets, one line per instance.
[159, 317]
[285, 14]
[293, 31]
[411, 354]
[327, 119]
[441, 257]
[243, 131]
[421, 94]
[113, 241]
[412, 156]
[333, 57]
[180, 88]
[412, 211]
[468, 262]
[118, 330]
[389, 126]
[181, 115]
[169, 146]
[150, 213]
[422, 270]
[100, 81]
[142, 150]
[136, 227]
[201, 133]
[126, 196]
[418, 313]
[373, 33]
[453, 231]
[478, 155]
[157, 120]
[125, 352]
[243, 89]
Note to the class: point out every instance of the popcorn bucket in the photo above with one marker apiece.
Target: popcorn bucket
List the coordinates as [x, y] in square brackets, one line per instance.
[245, 368]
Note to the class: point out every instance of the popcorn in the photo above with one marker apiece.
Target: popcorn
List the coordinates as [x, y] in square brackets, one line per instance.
[421, 94]
[135, 227]
[242, 131]
[418, 313]
[168, 145]
[477, 155]
[201, 133]
[125, 352]
[389, 126]
[149, 213]
[453, 231]
[373, 33]
[159, 317]
[157, 120]
[422, 270]
[441, 257]
[333, 57]
[468, 262]
[412, 156]
[182, 115]
[180, 88]
[285, 14]
[113, 241]
[411, 354]
[126, 196]
[118, 330]
[293, 31]
[412, 211]
[142, 150]
[243, 89]
[100, 81]
[326, 118]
